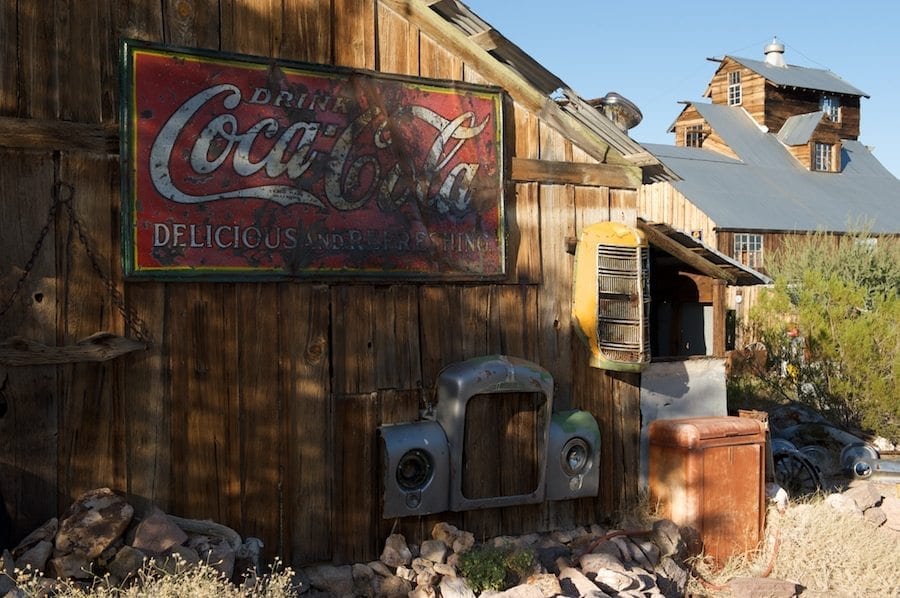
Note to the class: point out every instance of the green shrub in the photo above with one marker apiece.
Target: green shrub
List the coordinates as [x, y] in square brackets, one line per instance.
[491, 568]
[830, 328]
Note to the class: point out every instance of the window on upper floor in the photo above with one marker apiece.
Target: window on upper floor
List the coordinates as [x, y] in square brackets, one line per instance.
[734, 88]
[831, 106]
[694, 136]
[748, 249]
[823, 158]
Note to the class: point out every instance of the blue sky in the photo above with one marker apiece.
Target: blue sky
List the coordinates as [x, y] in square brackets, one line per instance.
[655, 52]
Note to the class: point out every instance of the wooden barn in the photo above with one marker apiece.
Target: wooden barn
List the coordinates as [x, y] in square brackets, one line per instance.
[775, 152]
[156, 342]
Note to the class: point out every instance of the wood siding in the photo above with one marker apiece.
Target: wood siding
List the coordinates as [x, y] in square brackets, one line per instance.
[771, 105]
[257, 403]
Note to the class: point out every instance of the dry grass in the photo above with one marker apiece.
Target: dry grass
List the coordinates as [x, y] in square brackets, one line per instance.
[826, 552]
[156, 581]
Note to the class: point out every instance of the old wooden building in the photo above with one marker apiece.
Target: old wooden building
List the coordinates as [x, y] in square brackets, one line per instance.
[226, 375]
[774, 152]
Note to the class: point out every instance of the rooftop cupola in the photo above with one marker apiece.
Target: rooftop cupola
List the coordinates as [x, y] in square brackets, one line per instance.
[775, 53]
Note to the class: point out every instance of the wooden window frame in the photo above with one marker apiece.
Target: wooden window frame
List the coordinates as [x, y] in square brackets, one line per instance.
[823, 157]
[734, 88]
[748, 249]
[694, 136]
[831, 106]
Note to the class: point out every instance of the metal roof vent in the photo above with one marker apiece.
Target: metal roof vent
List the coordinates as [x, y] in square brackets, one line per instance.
[619, 109]
[775, 53]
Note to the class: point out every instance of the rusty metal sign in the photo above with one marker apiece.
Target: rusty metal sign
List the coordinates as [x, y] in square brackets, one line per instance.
[243, 167]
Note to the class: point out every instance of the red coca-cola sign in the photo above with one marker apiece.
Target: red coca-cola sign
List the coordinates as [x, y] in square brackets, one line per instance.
[245, 167]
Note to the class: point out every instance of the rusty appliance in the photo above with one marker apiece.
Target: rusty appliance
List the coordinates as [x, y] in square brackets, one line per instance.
[708, 473]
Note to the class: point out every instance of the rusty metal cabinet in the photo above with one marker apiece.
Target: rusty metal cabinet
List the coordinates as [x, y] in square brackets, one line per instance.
[708, 473]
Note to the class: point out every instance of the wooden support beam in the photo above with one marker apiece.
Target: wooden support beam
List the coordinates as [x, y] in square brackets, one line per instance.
[50, 135]
[526, 170]
[487, 40]
[687, 256]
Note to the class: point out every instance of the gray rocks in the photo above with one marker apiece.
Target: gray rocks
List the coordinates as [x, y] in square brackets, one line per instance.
[90, 526]
[578, 562]
[157, 533]
[99, 535]
[874, 503]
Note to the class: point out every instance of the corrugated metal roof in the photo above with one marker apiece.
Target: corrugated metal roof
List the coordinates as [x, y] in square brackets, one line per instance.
[800, 76]
[798, 129]
[767, 189]
[744, 136]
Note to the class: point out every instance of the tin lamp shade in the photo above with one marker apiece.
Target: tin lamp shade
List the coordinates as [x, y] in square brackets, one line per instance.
[611, 296]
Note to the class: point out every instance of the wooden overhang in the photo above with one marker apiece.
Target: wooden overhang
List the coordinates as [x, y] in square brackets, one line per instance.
[461, 31]
[700, 256]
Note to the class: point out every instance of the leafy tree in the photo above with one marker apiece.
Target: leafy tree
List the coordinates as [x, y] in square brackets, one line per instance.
[831, 328]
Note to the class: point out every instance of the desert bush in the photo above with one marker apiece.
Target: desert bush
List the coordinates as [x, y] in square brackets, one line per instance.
[494, 568]
[830, 328]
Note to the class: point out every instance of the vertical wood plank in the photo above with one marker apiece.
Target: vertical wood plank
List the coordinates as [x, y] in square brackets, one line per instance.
[250, 26]
[376, 338]
[147, 403]
[307, 455]
[398, 43]
[35, 92]
[205, 422]
[354, 33]
[85, 65]
[555, 309]
[514, 314]
[523, 244]
[92, 440]
[466, 335]
[9, 64]
[146, 393]
[623, 206]
[305, 37]
[189, 22]
[437, 62]
[355, 530]
[260, 415]
[30, 395]
[719, 310]
[527, 133]
[591, 206]
[628, 392]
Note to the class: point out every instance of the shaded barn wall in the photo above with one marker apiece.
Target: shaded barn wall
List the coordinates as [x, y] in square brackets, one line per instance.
[257, 403]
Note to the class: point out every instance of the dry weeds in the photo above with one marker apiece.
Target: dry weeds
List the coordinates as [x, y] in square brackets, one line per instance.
[157, 580]
[826, 552]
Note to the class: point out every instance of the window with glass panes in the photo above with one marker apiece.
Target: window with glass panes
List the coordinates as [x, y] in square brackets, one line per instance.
[831, 106]
[734, 88]
[693, 136]
[748, 249]
[823, 155]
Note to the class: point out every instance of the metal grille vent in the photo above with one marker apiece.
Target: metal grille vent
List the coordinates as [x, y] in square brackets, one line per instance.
[623, 331]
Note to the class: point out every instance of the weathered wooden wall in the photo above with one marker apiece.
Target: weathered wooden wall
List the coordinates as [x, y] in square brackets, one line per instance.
[257, 403]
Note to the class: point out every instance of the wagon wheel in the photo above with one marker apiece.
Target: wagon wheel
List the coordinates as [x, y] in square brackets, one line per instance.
[796, 474]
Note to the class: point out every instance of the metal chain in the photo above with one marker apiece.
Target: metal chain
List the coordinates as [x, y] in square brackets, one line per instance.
[135, 323]
[29, 265]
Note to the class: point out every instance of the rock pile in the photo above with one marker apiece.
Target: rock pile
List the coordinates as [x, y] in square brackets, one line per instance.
[586, 561]
[99, 535]
[876, 503]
